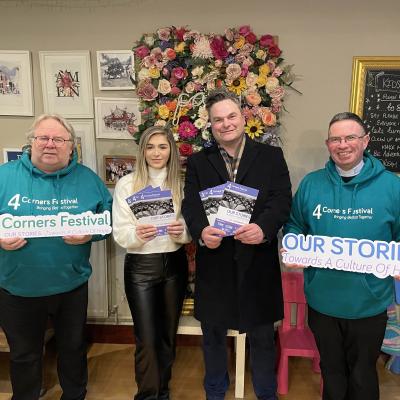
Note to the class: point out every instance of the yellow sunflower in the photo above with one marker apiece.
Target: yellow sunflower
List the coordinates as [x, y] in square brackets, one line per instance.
[254, 128]
[238, 86]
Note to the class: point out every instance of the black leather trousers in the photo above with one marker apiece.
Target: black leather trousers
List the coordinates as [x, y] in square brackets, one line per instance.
[155, 286]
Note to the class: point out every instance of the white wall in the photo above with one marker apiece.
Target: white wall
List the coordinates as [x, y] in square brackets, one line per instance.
[319, 37]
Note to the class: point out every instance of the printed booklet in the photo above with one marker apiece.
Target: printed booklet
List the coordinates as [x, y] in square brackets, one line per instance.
[229, 206]
[153, 206]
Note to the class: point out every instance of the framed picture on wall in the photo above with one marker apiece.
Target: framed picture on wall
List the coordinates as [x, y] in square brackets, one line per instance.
[116, 118]
[67, 83]
[11, 154]
[85, 145]
[16, 95]
[115, 69]
[115, 167]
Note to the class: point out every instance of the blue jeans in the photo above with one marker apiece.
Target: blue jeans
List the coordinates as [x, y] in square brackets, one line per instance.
[262, 361]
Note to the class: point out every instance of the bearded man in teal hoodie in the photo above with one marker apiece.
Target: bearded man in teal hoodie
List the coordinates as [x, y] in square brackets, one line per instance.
[347, 310]
[47, 276]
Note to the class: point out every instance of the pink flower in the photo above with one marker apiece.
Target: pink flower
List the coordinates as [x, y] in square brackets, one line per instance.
[229, 34]
[187, 130]
[175, 91]
[149, 61]
[185, 149]
[165, 72]
[277, 72]
[245, 30]
[164, 33]
[179, 73]
[147, 91]
[266, 41]
[277, 93]
[218, 48]
[247, 113]
[142, 51]
[274, 50]
[251, 38]
[180, 32]
[245, 71]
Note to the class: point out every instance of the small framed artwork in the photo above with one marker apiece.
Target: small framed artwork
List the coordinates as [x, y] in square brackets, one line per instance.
[116, 118]
[115, 69]
[11, 154]
[67, 83]
[16, 95]
[115, 167]
[85, 145]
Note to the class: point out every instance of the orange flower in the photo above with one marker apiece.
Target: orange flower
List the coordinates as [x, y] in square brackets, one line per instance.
[171, 104]
[253, 99]
[268, 117]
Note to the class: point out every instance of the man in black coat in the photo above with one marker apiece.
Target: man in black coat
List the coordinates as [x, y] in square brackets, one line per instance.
[238, 281]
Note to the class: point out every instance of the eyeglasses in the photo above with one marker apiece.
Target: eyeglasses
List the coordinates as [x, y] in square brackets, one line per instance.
[335, 140]
[57, 141]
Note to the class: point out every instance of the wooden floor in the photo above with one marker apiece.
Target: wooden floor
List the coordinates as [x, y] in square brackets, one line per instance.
[111, 376]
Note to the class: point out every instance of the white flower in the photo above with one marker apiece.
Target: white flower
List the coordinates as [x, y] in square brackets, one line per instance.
[202, 48]
[149, 40]
[190, 87]
[233, 71]
[164, 86]
[143, 74]
[271, 84]
[205, 135]
[251, 79]
[197, 71]
[202, 113]
[176, 136]
[200, 123]
[196, 148]
[160, 122]
[210, 85]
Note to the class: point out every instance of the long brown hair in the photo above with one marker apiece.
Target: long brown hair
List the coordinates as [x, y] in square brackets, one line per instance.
[173, 179]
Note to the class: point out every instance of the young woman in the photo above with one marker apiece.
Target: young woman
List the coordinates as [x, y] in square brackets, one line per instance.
[155, 267]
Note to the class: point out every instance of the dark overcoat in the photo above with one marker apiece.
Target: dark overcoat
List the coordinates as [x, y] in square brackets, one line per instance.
[238, 285]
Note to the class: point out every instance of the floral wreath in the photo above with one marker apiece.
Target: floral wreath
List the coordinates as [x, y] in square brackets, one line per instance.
[176, 68]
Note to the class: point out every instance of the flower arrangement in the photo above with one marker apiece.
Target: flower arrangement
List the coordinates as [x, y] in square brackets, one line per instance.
[177, 67]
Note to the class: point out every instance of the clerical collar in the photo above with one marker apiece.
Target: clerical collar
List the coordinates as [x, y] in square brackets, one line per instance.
[351, 172]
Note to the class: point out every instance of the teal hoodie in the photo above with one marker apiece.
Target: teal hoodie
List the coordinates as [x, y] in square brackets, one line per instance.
[374, 199]
[47, 266]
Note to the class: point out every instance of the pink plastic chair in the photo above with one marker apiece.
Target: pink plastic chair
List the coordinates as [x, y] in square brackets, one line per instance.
[295, 340]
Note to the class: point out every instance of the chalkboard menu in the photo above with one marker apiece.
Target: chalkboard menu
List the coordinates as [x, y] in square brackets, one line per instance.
[376, 98]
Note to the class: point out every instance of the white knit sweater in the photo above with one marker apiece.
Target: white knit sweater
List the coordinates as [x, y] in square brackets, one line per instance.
[124, 222]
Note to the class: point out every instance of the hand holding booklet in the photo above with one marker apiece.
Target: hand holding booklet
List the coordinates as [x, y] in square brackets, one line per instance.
[229, 206]
[153, 206]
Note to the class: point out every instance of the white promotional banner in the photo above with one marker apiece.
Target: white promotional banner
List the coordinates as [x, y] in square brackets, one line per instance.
[62, 224]
[364, 256]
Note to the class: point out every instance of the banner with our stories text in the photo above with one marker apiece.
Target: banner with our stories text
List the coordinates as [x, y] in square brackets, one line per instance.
[345, 254]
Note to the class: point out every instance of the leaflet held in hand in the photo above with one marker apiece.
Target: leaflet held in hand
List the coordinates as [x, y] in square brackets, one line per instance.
[153, 206]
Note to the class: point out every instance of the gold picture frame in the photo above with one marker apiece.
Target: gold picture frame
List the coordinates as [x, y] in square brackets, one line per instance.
[361, 65]
[115, 167]
[375, 97]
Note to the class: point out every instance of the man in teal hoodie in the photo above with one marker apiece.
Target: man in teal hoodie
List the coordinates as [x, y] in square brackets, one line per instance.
[347, 310]
[47, 276]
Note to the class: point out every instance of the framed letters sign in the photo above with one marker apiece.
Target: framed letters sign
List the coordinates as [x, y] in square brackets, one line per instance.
[67, 83]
